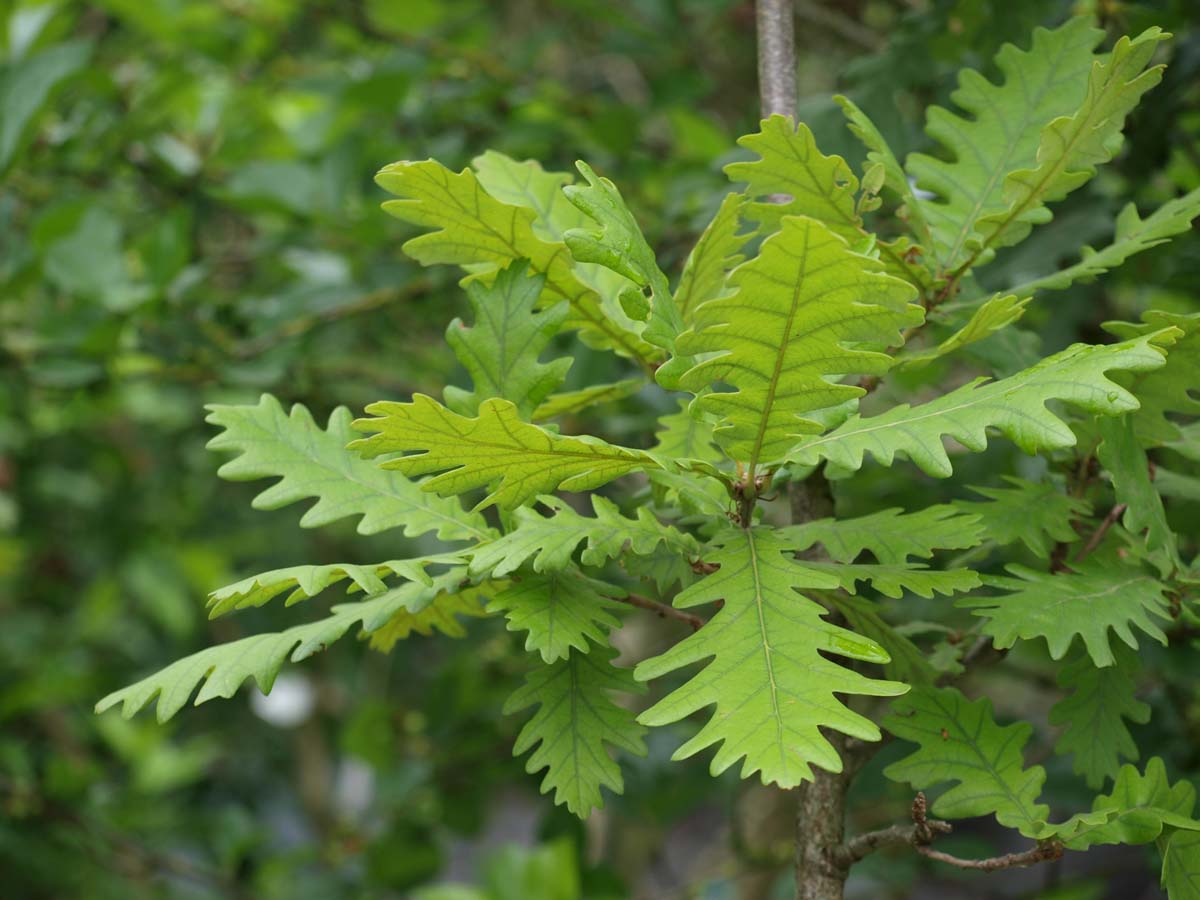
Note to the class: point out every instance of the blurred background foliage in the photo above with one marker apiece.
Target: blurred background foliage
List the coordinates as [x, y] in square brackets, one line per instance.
[187, 216]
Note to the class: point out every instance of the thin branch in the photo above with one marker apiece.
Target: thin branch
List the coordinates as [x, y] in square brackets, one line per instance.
[776, 57]
[922, 832]
[1094, 541]
[663, 611]
[1045, 851]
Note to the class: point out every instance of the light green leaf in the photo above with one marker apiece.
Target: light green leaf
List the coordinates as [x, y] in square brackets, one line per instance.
[470, 228]
[516, 461]
[25, 87]
[1015, 406]
[999, 132]
[570, 402]
[1088, 602]
[574, 725]
[311, 462]
[550, 542]
[1075, 143]
[561, 610]
[958, 740]
[527, 184]
[223, 668]
[1037, 514]
[1129, 467]
[1093, 715]
[772, 688]
[304, 582]
[501, 351]
[619, 245]
[820, 187]
[802, 309]
[996, 313]
[1136, 811]
[1133, 235]
[894, 177]
[891, 535]
[716, 254]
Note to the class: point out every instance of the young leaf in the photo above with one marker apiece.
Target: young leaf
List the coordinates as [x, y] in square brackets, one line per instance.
[307, 581]
[224, 667]
[1093, 715]
[570, 402]
[515, 460]
[501, 351]
[313, 463]
[1129, 467]
[801, 309]
[1133, 235]
[1088, 602]
[550, 542]
[772, 688]
[997, 313]
[880, 154]
[560, 610]
[716, 254]
[527, 184]
[999, 134]
[575, 720]
[471, 228]
[1073, 145]
[441, 614]
[891, 535]
[1136, 811]
[958, 740]
[620, 246]
[820, 187]
[1015, 406]
[1037, 514]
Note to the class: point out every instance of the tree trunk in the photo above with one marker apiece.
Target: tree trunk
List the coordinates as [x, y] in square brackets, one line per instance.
[820, 829]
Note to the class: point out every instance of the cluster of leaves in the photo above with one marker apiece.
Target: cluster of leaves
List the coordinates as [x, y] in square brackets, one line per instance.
[187, 217]
[787, 313]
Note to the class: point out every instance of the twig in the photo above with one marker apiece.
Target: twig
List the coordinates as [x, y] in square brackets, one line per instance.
[920, 833]
[663, 611]
[776, 57]
[1045, 851]
[1098, 535]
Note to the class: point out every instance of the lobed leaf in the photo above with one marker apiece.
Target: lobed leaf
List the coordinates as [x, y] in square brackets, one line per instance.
[999, 132]
[1096, 597]
[1015, 406]
[560, 610]
[959, 740]
[802, 309]
[772, 689]
[1039, 515]
[575, 723]
[716, 254]
[1093, 715]
[220, 670]
[501, 351]
[516, 461]
[550, 541]
[311, 462]
[891, 535]
[471, 228]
